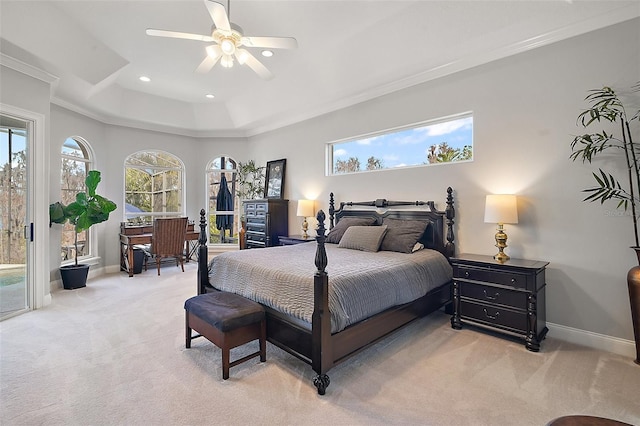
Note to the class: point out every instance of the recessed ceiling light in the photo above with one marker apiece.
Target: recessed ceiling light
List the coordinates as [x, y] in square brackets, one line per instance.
[145, 78]
[210, 96]
[267, 53]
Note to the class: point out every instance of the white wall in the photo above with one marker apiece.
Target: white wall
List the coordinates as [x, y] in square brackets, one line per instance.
[525, 110]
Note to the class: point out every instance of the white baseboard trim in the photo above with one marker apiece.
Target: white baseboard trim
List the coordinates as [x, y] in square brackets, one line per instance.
[593, 340]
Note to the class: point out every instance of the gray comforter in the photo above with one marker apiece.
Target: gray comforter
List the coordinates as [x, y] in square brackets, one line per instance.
[361, 284]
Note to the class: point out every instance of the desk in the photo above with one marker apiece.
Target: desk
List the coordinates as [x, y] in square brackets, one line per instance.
[133, 235]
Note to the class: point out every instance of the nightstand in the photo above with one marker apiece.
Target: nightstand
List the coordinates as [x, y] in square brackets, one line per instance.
[294, 239]
[508, 297]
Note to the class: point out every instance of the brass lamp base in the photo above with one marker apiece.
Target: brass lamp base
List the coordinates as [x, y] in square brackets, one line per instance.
[305, 228]
[501, 243]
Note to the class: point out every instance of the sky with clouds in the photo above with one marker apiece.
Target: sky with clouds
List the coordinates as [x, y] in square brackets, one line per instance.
[407, 147]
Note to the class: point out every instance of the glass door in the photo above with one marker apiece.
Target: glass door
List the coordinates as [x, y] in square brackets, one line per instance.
[15, 230]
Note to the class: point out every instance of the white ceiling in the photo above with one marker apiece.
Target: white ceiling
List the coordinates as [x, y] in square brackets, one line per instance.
[349, 51]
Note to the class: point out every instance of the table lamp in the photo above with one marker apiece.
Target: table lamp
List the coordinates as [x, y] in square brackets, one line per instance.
[305, 210]
[501, 209]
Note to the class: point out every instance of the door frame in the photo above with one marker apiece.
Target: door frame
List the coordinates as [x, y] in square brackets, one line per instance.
[38, 290]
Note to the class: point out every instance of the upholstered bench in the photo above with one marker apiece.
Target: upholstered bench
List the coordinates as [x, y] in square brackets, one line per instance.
[227, 320]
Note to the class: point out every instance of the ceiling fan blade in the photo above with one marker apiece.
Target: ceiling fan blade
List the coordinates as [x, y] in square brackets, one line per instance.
[218, 15]
[214, 53]
[244, 57]
[270, 42]
[175, 34]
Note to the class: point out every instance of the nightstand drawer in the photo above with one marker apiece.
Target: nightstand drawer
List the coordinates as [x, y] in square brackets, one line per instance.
[508, 278]
[493, 315]
[490, 294]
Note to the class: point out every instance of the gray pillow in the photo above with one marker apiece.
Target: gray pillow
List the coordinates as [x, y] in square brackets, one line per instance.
[402, 235]
[336, 233]
[364, 238]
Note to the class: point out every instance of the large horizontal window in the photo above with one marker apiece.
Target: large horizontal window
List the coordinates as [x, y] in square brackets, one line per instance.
[445, 140]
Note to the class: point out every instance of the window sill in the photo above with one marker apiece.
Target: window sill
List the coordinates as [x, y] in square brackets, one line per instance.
[91, 261]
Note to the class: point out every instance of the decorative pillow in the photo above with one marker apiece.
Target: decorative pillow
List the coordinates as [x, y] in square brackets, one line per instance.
[336, 233]
[402, 235]
[364, 238]
[417, 247]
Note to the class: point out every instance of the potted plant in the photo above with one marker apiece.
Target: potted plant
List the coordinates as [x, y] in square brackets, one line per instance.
[250, 180]
[88, 209]
[606, 106]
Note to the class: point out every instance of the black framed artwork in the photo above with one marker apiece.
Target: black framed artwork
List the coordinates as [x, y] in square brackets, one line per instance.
[274, 182]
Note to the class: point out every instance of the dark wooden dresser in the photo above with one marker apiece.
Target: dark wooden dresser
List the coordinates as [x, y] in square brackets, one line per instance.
[508, 297]
[265, 220]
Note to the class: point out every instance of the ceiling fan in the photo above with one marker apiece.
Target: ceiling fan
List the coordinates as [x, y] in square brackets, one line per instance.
[229, 40]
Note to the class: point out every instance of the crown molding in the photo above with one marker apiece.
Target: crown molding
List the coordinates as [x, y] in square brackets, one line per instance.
[143, 125]
[24, 68]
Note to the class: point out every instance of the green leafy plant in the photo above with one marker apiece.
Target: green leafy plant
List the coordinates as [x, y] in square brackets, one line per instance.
[607, 106]
[88, 209]
[250, 180]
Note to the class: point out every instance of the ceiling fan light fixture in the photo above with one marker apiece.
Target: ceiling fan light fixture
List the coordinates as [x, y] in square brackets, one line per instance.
[267, 53]
[242, 56]
[228, 46]
[226, 61]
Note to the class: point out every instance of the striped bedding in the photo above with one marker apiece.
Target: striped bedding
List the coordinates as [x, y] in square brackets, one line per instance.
[361, 284]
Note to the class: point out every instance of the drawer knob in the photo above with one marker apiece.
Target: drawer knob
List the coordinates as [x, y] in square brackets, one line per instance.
[513, 280]
[494, 297]
[466, 274]
[494, 316]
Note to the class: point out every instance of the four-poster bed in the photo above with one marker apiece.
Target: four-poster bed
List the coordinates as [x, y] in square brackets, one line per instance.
[324, 321]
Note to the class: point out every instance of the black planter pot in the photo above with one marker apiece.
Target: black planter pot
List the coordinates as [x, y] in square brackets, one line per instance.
[74, 276]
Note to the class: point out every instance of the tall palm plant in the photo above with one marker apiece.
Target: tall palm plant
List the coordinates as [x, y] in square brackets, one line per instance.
[607, 107]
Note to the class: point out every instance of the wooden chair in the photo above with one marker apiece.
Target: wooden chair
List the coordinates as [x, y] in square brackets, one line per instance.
[168, 240]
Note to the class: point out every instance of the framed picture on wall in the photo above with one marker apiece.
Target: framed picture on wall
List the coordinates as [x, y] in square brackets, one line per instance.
[274, 182]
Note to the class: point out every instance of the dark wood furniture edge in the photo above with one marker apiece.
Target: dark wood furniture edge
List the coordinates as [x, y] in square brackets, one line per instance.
[326, 349]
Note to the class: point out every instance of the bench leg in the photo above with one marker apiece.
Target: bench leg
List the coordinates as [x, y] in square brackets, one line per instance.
[225, 363]
[263, 341]
[187, 332]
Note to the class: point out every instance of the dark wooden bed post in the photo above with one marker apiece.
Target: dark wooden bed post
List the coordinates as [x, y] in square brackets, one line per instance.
[203, 267]
[332, 210]
[321, 350]
[450, 213]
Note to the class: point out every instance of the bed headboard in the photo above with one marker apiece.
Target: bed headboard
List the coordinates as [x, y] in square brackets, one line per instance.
[438, 235]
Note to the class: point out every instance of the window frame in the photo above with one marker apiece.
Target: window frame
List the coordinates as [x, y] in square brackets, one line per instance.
[91, 245]
[126, 216]
[329, 147]
[237, 203]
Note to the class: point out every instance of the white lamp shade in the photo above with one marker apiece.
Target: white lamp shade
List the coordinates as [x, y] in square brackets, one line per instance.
[501, 208]
[305, 208]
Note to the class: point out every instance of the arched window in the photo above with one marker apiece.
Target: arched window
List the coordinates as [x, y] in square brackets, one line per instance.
[223, 203]
[153, 186]
[76, 163]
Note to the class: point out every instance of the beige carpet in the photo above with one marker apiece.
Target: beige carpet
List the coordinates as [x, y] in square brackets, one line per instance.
[113, 354]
